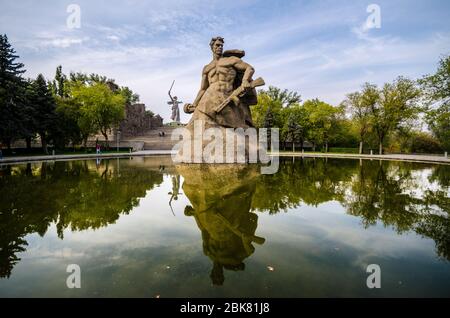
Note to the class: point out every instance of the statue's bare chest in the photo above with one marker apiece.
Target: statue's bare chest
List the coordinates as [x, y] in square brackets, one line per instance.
[221, 70]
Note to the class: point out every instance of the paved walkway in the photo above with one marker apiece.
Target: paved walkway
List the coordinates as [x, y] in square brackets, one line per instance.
[399, 157]
[24, 159]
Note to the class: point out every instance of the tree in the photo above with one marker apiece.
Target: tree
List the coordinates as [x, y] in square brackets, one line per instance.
[58, 84]
[66, 129]
[439, 122]
[424, 142]
[130, 97]
[437, 93]
[359, 104]
[12, 91]
[344, 132]
[285, 97]
[28, 119]
[268, 119]
[68, 118]
[322, 118]
[294, 132]
[296, 124]
[396, 104]
[101, 108]
[44, 110]
[92, 79]
[259, 111]
[79, 110]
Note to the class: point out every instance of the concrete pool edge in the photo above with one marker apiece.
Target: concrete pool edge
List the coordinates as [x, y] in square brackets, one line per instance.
[26, 159]
[390, 157]
[145, 153]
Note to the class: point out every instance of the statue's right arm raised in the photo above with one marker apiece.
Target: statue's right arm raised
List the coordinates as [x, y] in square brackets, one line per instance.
[189, 108]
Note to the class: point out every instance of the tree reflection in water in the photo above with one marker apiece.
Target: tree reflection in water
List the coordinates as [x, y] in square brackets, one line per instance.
[225, 200]
[75, 195]
[407, 196]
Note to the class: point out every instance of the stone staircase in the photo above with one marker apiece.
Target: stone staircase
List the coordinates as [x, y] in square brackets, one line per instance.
[152, 140]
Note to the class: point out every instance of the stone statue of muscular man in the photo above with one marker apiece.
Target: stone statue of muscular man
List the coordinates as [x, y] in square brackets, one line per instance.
[220, 78]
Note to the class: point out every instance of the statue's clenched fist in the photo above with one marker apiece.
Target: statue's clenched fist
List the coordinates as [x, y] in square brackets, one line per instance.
[188, 108]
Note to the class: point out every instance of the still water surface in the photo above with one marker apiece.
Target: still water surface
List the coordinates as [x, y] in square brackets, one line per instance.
[143, 227]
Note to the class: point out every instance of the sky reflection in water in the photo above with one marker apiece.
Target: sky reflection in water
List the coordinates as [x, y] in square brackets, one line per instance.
[309, 230]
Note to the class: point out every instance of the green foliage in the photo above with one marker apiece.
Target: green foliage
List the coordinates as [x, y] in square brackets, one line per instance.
[101, 108]
[379, 116]
[89, 103]
[89, 79]
[360, 104]
[437, 92]
[293, 131]
[12, 91]
[382, 112]
[273, 104]
[58, 84]
[130, 97]
[343, 150]
[323, 120]
[265, 104]
[285, 97]
[437, 86]
[439, 122]
[314, 120]
[296, 124]
[396, 106]
[69, 119]
[83, 104]
[422, 142]
[43, 107]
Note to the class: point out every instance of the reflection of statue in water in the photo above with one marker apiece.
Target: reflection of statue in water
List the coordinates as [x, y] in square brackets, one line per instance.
[221, 199]
[175, 109]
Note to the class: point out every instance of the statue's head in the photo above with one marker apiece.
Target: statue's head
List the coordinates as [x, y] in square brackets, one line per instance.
[175, 97]
[216, 45]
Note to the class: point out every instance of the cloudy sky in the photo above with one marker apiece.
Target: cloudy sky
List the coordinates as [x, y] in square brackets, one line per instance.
[321, 49]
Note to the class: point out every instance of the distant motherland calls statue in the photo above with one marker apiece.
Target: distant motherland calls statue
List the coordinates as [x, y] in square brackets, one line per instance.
[227, 91]
[175, 109]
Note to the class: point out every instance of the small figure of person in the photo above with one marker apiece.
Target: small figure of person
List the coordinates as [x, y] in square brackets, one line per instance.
[97, 148]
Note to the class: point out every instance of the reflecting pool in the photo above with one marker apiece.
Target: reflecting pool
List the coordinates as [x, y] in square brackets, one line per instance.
[143, 227]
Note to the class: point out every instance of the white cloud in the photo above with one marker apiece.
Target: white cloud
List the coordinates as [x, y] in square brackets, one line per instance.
[308, 48]
[64, 42]
[113, 38]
